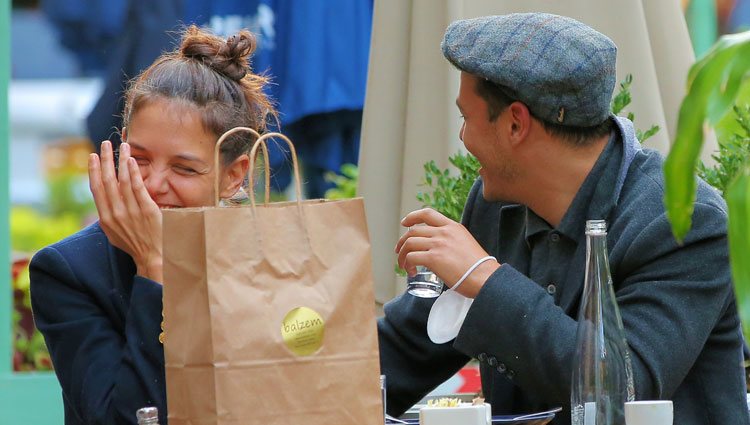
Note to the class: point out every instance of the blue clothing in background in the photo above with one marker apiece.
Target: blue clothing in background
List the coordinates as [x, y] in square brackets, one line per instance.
[145, 36]
[315, 51]
[321, 68]
[325, 142]
[90, 29]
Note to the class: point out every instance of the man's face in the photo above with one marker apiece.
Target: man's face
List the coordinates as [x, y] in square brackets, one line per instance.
[487, 140]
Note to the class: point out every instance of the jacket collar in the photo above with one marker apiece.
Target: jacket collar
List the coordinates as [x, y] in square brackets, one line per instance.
[601, 189]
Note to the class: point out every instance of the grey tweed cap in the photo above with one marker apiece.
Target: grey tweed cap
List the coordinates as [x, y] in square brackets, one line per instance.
[562, 69]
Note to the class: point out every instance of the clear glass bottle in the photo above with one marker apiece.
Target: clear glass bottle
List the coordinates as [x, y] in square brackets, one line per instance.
[147, 416]
[383, 394]
[602, 371]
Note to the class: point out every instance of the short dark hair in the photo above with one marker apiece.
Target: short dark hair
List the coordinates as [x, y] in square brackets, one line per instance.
[498, 99]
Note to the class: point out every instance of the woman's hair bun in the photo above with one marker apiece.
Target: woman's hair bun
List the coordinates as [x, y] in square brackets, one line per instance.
[229, 57]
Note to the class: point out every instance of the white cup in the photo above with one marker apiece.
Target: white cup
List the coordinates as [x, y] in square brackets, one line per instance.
[649, 412]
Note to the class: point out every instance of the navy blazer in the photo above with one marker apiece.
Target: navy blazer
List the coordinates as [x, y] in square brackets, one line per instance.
[101, 324]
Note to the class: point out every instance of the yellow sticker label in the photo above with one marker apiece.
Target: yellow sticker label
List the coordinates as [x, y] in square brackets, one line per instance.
[302, 331]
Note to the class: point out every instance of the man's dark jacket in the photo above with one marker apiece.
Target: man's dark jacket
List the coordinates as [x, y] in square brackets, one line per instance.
[676, 301]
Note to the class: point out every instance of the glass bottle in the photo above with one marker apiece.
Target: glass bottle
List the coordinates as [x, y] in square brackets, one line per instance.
[382, 394]
[602, 371]
[147, 416]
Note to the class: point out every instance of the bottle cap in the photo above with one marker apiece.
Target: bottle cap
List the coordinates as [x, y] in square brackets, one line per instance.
[147, 413]
[596, 227]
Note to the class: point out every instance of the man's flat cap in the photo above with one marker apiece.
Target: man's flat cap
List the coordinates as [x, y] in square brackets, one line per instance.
[562, 69]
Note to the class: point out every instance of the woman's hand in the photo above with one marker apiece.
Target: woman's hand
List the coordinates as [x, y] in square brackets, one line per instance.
[127, 214]
[445, 247]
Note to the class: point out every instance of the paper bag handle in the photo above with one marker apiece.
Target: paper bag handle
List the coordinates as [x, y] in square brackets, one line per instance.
[253, 154]
[217, 155]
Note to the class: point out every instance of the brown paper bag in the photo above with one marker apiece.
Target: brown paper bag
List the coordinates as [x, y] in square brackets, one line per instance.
[269, 313]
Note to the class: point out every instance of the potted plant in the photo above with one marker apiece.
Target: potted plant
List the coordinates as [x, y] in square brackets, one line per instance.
[713, 85]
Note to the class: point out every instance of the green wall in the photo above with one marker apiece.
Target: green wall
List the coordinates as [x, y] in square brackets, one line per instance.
[25, 398]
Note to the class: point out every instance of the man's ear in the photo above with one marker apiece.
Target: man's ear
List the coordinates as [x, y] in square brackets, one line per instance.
[233, 175]
[520, 118]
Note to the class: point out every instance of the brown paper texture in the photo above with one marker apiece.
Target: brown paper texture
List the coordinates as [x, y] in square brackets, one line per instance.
[231, 276]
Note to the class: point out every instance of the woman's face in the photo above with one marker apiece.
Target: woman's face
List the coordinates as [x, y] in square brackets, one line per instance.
[175, 154]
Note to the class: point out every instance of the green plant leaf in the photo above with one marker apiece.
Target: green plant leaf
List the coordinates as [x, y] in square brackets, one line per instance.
[623, 96]
[345, 183]
[738, 200]
[622, 99]
[734, 150]
[350, 171]
[713, 83]
[645, 135]
[449, 190]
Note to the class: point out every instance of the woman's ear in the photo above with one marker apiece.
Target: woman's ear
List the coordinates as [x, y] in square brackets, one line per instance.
[233, 175]
[124, 134]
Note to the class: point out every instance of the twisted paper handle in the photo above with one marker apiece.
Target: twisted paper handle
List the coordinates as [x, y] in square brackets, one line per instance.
[217, 165]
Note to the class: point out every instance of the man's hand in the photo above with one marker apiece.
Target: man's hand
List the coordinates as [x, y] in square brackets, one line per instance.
[445, 247]
[127, 214]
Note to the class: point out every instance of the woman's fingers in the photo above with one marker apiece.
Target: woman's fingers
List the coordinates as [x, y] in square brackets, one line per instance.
[145, 203]
[95, 184]
[127, 214]
[101, 200]
[125, 183]
[109, 180]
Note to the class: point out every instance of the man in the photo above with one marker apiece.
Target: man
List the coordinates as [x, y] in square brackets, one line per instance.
[534, 94]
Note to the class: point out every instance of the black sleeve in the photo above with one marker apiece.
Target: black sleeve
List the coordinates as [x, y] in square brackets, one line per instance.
[107, 369]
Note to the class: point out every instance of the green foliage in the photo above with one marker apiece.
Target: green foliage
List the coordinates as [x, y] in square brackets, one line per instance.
[31, 230]
[733, 153]
[623, 97]
[714, 83]
[449, 192]
[730, 176]
[645, 135]
[68, 194]
[621, 100]
[29, 349]
[738, 201]
[728, 125]
[346, 182]
[30, 352]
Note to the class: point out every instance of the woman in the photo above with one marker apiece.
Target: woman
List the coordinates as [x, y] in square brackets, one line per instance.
[97, 295]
